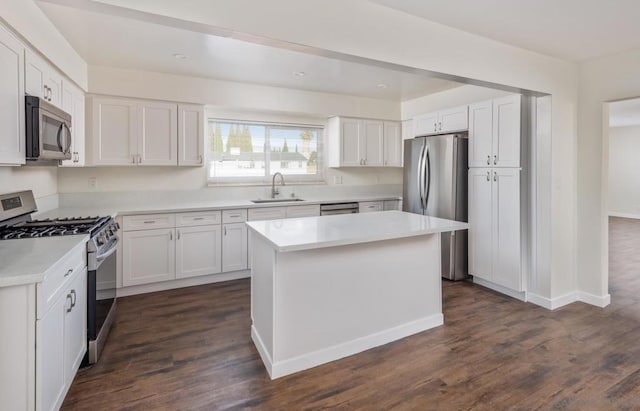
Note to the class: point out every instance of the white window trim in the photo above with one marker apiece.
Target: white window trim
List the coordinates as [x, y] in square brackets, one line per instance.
[291, 179]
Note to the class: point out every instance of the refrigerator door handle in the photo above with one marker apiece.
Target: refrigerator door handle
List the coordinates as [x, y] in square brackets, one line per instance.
[421, 175]
[427, 177]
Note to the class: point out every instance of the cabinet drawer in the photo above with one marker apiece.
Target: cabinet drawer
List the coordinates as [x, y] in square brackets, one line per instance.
[198, 218]
[148, 222]
[303, 211]
[369, 206]
[59, 277]
[267, 213]
[234, 216]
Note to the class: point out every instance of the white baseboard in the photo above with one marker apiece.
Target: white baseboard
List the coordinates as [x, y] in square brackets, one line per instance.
[313, 359]
[624, 215]
[518, 295]
[183, 282]
[598, 301]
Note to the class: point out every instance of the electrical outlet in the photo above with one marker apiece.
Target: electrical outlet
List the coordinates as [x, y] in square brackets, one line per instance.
[337, 179]
[93, 183]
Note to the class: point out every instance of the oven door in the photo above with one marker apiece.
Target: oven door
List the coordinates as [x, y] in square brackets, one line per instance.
[101, 300]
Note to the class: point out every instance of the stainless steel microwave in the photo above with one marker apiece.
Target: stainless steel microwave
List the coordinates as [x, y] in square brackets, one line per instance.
[48, 131]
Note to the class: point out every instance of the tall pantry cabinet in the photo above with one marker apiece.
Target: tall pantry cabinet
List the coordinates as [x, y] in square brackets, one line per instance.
[495, 130]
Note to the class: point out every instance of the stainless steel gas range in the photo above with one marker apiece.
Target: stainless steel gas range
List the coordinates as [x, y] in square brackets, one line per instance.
[16, 223]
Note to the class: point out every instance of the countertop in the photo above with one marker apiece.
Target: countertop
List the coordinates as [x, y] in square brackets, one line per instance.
[297, 234]
[28, 260]
[179, 207]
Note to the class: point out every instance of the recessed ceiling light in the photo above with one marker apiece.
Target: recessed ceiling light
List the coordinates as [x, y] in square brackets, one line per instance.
[299, 73]
[382, 85]
[180, 56]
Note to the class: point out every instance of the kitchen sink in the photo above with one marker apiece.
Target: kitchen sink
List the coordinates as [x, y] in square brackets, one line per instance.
[275, 200]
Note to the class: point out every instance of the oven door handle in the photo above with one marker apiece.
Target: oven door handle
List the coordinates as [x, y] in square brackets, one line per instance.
[100, 258]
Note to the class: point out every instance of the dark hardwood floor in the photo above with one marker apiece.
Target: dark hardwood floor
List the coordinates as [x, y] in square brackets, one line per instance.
[191, 349]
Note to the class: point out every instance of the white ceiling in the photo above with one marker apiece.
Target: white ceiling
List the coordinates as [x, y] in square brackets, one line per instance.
[569, 29]
[624, 113]
[116, 41]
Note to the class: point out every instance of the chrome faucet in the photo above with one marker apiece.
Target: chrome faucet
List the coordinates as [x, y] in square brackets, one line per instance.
[274, 190]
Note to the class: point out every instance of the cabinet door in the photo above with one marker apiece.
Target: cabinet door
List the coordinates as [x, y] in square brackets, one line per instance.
[351, 152]
[148, 256]
[480, 134]
[453, 119]
[53, 81]
[73, 103]
[506, 131]
[191, 126]
[115, 128]
[75, 326]
[198, 251]
[234, 247]
[373, 143]
[425, 124]
[12, 122]
[50, 351]
[389, 205]
[506, 228]
[158, 134]
[392, 144]
[480, 223]
[35, 74]
[303, 211]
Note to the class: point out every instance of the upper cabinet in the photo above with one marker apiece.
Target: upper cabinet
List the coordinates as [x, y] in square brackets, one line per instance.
[494, 132]
[139, 132]
[443, 121]
[191, 126]
[364, 143]
[12, 141]
[42, 80]
[73, 103]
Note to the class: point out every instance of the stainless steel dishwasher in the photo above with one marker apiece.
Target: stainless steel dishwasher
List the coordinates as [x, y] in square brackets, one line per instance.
[338, 208]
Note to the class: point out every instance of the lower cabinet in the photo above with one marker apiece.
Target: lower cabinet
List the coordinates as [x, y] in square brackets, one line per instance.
[148, 256]
[234, 247]
[370, 206]
[61, 342]
[198, 251]
[494, 226]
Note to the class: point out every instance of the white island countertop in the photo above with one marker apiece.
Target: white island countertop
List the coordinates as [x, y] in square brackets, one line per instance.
[28, 260]
[297, 234]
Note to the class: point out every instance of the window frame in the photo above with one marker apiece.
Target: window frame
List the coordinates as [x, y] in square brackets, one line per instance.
[318, 178]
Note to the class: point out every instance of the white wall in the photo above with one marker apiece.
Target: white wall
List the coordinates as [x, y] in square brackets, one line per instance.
[605, 79]
[624, 171]
[26, 18]
[458, 96]
[42, 180]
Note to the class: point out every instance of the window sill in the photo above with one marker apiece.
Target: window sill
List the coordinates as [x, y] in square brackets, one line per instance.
[257, 184]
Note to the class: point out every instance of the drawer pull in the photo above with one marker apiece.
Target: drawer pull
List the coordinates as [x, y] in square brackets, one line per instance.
[234, 215]
[69, 271]
[198, 218]
[149, 222]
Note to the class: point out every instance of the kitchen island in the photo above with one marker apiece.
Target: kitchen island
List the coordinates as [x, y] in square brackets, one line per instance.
[323, 288]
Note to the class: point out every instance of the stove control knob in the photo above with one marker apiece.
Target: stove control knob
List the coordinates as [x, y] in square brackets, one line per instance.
[109, 231]
[101, 239]
[116, 225]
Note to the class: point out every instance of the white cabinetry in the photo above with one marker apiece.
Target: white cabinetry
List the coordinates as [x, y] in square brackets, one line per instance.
[370, 206]
[303, 211]
[139, 132]
[198, 251]
[358, 142]
[267, 213]
[494, 226]
[148, 256]
[42, 80]
[494, 132]
[443, 121]
[12, 122]
[73, 103]
[191, 126]
[390, 205]
[234, 240]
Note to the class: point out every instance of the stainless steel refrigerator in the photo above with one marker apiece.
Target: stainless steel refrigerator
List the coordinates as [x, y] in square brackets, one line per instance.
[435, 184]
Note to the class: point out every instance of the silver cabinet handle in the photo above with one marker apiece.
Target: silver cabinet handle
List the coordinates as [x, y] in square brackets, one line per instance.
[440, 126]
[149, 222]
[73, 298]
[234, 215]
[495, 176]
[435, 126]
[139, 159]
[133, 159]
[198, 218]
[488, 175]
[225, 230]
[495, 160]
[69, 271]
[200, 158]
[70, 305]
[178, 232]
[170, 235]
[488, 160]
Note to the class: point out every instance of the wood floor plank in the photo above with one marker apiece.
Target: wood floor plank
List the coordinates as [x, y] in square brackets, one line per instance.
[190, 349]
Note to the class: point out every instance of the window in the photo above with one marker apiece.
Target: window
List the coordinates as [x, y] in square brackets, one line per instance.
[253, 152]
